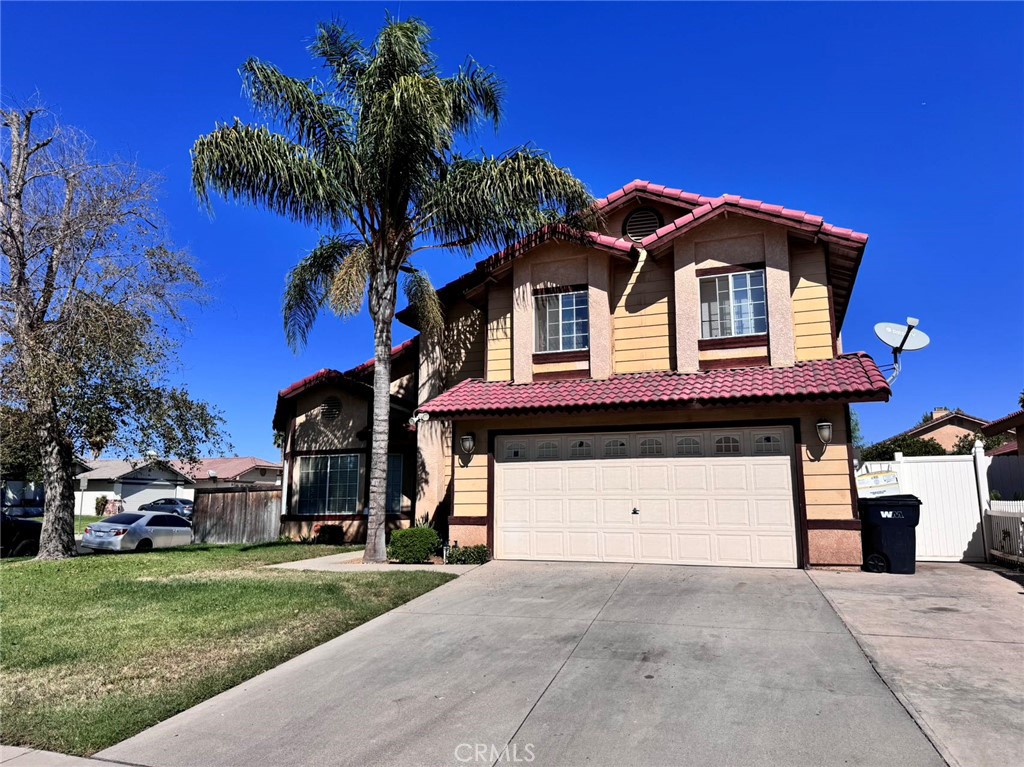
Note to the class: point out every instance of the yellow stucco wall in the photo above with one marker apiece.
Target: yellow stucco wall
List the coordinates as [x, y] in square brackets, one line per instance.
[812, 324]
[499, 333]
[464, 340]
[642, 316]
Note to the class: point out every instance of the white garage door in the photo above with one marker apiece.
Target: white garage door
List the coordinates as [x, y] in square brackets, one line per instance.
[702, 497]
[140, 494]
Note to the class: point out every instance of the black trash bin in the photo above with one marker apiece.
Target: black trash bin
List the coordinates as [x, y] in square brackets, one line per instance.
[888, 537]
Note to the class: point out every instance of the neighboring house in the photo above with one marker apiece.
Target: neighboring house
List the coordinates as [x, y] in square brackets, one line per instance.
[945, 427]
[133, 482]
[231, 472]
[1013, 422]
[657, 394]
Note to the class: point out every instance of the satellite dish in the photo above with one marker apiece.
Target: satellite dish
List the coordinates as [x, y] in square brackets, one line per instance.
[901, 338]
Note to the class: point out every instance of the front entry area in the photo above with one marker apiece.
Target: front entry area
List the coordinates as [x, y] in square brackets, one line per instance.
[693, 496]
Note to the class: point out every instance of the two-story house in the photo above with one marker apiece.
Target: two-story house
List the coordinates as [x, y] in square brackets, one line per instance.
[670, 390]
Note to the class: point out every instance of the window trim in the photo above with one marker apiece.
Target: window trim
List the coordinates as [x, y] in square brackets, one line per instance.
[559, 293]
[361, 507]
[732, 320]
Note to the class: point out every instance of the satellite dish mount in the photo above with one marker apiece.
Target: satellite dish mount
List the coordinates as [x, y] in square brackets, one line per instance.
[901, 338]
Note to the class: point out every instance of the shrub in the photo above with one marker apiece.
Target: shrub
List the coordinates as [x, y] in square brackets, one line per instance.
[413, 546]
[469, 555]
[331, 535]
[909, 446]
[101, 506]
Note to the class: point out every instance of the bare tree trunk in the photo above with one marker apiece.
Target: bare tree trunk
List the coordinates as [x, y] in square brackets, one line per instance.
[383, 297]
[58, 534]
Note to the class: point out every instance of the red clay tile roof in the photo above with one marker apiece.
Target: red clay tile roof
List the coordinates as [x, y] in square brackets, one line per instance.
[368, 365]
[1008, 448]
[933, 423]
[224, 468]
[1006, 423]
[850, 378]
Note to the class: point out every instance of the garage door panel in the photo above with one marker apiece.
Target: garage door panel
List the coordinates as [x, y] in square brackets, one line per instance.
[694, 548]
[549, 545]
[692, 512]
[582, 478]
[583, 546]
[773, 512]
[549, 511]
[734, 510]
[729, 477]
[619, 546]
[690, 477]
[549, 479]
[582, 511]
[656, 546]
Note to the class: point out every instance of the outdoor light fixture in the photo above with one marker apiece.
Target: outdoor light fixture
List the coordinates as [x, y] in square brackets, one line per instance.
[468, 442]
[825, 431]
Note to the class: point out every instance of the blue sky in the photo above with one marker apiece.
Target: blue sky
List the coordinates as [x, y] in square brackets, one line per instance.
[900, 120]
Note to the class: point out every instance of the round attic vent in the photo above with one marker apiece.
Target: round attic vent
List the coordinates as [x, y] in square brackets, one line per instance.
[641, 223]
[330, 409]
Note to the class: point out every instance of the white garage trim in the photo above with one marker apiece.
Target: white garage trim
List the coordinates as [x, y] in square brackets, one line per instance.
[676, 496]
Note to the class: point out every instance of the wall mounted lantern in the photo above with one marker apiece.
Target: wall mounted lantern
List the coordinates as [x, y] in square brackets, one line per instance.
[468, 442]
[825, 431]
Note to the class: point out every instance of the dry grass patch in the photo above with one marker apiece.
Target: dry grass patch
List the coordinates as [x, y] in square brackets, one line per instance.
[96, 649]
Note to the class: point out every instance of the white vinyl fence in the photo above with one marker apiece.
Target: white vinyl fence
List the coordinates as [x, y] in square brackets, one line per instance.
[954, 492]
[1006, 530]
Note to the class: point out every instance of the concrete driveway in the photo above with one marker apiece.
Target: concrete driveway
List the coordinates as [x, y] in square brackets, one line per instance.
[564, 665]
[949, 641]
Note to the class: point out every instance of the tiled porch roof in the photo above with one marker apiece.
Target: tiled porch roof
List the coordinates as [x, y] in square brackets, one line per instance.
[850, 378]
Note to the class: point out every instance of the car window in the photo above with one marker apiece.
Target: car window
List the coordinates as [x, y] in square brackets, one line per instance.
[177, 522]
[123, 519]
[158, 520]
[165, 501]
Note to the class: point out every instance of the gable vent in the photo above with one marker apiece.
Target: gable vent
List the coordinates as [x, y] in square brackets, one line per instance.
[641, 223]
[330, 409]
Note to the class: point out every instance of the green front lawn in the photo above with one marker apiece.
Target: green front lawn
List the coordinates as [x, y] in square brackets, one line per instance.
[81, 522]
[97, 648]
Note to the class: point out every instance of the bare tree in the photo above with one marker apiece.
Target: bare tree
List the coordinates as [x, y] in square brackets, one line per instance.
[91, 309]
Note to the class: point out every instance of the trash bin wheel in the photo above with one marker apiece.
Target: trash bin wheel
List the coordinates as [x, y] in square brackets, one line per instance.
[876, 563]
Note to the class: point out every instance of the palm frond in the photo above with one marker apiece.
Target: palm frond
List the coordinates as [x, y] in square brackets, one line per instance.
[421, 295]
[308, 285]
[342, 53]
[254, 165]
[301, 107]
[476, 94]
[496, 200]
[349, 284]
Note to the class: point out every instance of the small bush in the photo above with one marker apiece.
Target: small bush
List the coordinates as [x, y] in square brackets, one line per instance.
[330, 535]
[413, 546]
[101, 506]
[469, 555]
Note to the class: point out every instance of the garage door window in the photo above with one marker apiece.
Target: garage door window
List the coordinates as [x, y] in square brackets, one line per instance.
[652, 446]
[581, 448]
[515, 451]
[727, 445]
[689, 446]
[547, 450]
[615, 448]
[767, 444]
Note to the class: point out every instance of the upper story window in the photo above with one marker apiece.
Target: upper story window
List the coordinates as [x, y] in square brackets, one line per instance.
[562, 322]
[733, 305]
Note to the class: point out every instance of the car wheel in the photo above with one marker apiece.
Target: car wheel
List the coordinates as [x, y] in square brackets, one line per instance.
[144, 545]
[26, 549]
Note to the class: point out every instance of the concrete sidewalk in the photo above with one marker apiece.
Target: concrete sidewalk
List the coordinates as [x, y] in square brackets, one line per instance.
[949, 642]
[569, 664]
[352, 562]
[15, 756]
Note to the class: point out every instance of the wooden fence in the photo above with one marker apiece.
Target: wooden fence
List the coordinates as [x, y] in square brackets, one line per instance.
[237, 515]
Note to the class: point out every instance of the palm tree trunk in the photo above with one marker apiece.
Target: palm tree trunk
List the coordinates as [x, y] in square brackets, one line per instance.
[382, 299]
[58, 535]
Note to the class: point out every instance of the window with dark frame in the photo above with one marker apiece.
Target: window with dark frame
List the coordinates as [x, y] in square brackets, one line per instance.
[562, 322]
[733, 305]
[329, 484]
[394, 492]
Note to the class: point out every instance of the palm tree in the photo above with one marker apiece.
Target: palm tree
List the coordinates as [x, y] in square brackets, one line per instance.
[370, 155]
